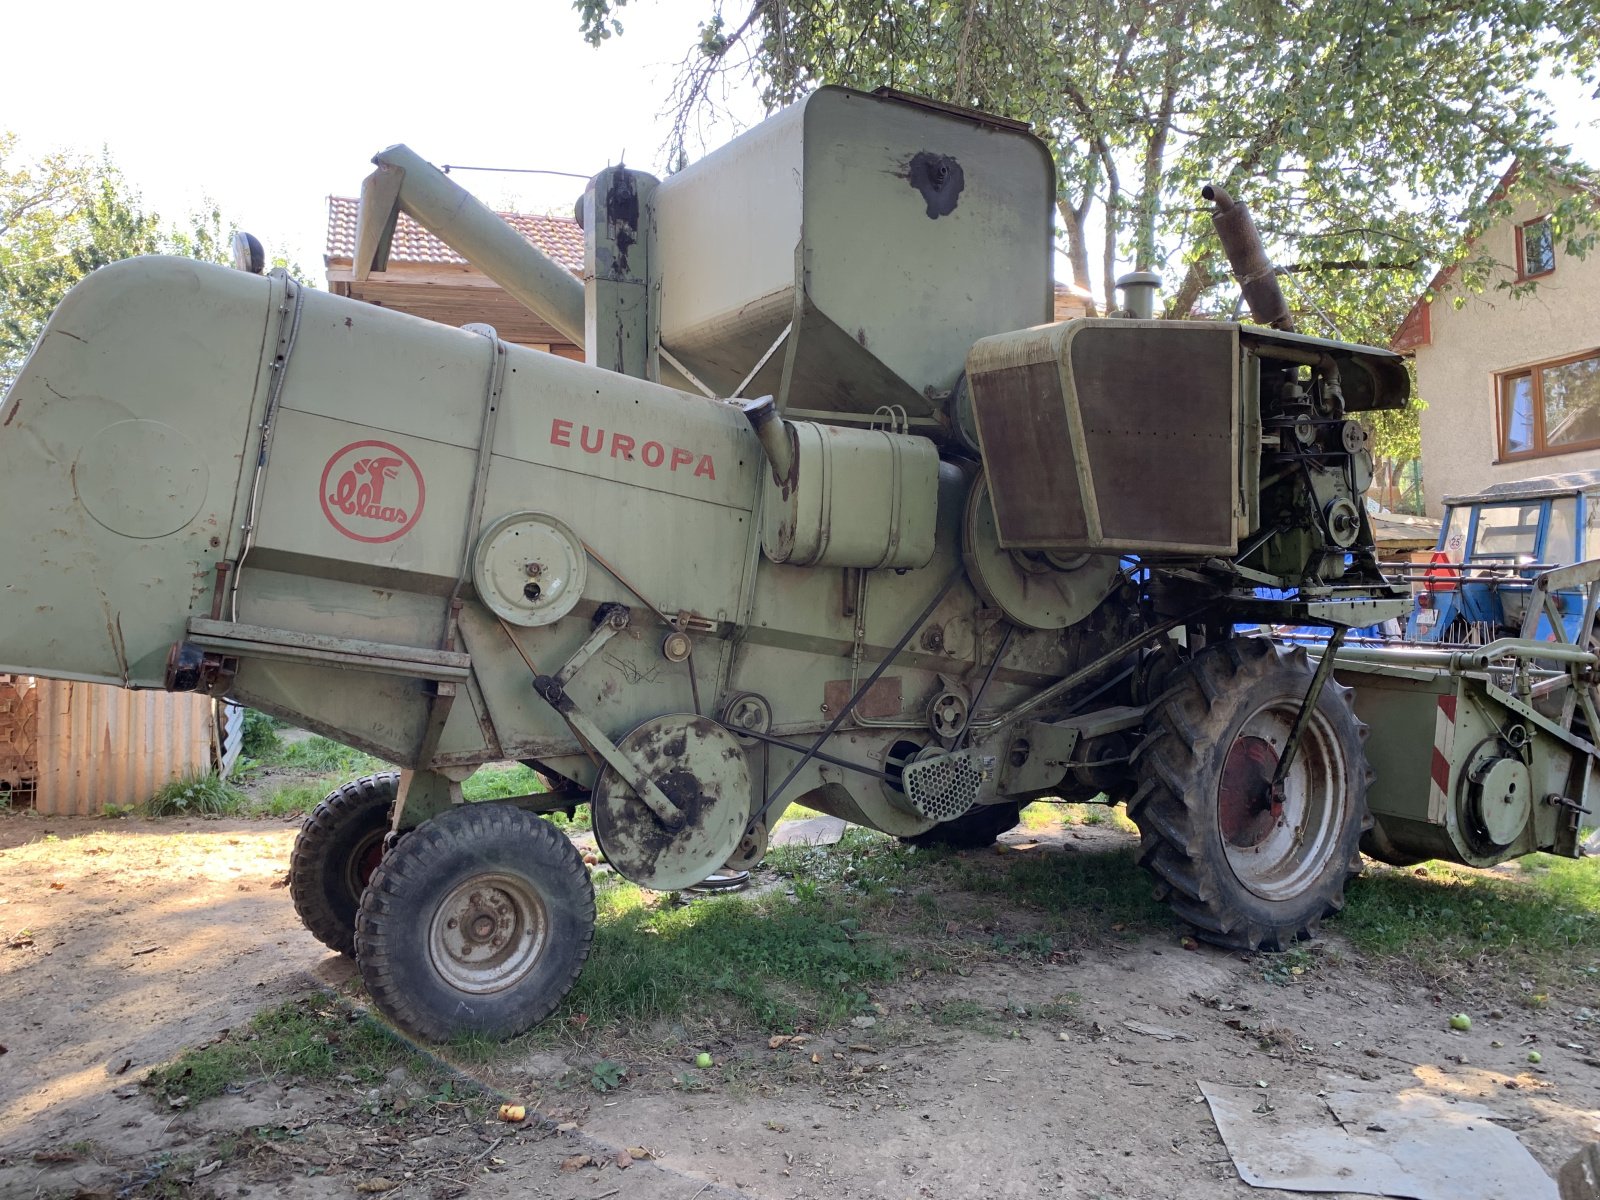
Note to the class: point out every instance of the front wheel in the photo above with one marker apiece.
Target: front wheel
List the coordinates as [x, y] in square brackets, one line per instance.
[479, 921]
[1249, 868]
[339, 846]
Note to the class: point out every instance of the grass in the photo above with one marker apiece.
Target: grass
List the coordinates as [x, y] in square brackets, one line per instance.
[1079, 893]
[500, 783]
[324, 754]
[195, 795]
[292, 799]
[1542, 920]
[332, 764]
[308, 1039]
[783, 963]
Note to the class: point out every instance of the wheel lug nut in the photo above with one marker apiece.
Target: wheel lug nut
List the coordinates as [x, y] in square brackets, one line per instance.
[452, 923]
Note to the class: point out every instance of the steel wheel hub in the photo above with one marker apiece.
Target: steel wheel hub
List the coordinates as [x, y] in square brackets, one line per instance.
[364, 861]
[488, 934]
[1277, 841]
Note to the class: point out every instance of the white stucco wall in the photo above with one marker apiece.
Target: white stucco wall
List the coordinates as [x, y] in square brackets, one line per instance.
[1492, 333]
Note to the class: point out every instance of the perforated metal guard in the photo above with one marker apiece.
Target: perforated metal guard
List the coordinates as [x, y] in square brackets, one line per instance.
[945, 787]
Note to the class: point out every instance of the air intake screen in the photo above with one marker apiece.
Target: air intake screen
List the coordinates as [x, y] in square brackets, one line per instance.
[1111, 435]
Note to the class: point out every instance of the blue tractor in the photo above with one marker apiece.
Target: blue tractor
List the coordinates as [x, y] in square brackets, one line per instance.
[1479, 585]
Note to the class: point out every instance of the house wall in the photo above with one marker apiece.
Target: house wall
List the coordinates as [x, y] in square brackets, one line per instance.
[1490, 333]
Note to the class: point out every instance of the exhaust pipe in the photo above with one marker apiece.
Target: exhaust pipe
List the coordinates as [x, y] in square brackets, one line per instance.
[1248, 258]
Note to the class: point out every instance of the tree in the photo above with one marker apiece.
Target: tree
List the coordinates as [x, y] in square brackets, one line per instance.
[1363, 135]
[62, 217]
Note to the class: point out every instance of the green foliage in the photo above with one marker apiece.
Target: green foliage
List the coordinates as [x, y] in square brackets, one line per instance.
[195, 795]
[260, 739]
[60, 218]
[293, 799]
[324, 754]
[606, 1076]
[1365, 138]
[303, 1039]
[501, 783]
[1544, 921]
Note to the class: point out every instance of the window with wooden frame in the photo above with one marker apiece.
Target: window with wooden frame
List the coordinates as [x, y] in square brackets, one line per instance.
[1551, 408]
[1536, 248]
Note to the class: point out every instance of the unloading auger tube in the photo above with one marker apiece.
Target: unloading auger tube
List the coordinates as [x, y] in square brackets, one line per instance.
[903, 566]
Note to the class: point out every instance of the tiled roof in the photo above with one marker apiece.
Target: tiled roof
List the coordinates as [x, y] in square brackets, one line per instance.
[559, 237]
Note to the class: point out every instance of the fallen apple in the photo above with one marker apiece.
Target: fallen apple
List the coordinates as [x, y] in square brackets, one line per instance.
[1461, 1021]
[702, 1060]
[1534, 1056]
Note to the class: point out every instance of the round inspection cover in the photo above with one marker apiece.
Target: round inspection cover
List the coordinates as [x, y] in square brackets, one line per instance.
[142, 479]
[1502, 790]
[529, 568]
[701, 768]
[1030, 591]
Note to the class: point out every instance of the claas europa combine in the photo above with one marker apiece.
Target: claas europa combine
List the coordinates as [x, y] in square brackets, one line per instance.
[833, 514]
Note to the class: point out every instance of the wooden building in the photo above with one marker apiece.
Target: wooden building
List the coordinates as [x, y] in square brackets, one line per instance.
[428, 279]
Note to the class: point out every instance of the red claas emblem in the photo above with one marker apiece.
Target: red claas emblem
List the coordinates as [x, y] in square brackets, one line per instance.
[372, 491]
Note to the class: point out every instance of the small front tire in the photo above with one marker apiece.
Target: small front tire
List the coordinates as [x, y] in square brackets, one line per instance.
[478, 922]
[339, 846]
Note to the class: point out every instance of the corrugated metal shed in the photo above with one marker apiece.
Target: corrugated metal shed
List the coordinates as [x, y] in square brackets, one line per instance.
[101, 745]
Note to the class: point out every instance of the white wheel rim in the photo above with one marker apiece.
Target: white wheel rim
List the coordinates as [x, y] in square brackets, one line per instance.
[488, 934]
[1277, 850]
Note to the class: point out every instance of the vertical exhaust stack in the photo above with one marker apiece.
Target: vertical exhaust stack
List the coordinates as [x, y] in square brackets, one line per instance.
[1248, 258]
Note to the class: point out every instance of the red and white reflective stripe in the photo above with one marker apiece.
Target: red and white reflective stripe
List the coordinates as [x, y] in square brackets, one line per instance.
[1444, 740]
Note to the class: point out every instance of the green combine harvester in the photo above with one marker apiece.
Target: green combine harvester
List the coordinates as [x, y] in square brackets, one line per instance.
[832, 515]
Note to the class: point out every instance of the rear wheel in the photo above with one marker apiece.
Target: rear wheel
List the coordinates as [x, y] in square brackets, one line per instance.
[1247, 867]
[338, 848]
[478, 922]
[972, 830]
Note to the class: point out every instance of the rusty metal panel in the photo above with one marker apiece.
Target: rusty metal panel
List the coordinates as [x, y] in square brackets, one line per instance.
[1158, 409]
[102, 745]
[883, 698]
[1111, 435]
[1028, 437]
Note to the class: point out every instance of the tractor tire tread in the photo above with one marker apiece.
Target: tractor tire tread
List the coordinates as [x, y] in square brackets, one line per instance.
[1177, 767]
[318, 899]
[400, 985]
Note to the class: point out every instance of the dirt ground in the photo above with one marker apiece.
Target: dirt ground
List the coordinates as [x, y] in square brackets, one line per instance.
[127, 941]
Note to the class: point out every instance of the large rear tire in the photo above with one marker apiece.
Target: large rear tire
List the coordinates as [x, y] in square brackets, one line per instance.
[1246, 869]
[339, 846]
[478, 922]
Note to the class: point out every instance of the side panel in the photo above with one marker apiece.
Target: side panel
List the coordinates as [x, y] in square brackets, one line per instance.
[121, 449]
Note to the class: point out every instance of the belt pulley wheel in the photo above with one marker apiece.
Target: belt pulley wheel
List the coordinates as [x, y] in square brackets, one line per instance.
[700, 767]
[1032, 590]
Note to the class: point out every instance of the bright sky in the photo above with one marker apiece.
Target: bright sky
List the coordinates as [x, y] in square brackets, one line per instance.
[267, 109]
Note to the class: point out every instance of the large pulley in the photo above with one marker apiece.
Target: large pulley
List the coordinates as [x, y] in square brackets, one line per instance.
[700, 767]
[1039, 590]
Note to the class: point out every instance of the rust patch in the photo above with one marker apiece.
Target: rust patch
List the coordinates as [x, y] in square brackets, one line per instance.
[939, 179]
[883, 698]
